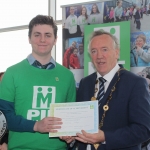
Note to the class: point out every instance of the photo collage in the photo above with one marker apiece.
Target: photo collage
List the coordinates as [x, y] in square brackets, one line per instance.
[77, 16]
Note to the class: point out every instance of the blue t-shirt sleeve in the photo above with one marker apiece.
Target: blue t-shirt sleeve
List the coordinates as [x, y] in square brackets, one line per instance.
[15, 122]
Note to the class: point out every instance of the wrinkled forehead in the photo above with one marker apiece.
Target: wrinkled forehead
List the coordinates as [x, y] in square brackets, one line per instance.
[103, 39]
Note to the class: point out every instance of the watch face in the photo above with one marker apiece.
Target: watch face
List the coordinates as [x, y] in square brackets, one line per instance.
[3, 124]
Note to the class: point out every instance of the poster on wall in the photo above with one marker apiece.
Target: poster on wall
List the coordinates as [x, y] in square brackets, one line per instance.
[75, 17]
[115, 13]
[140, 40]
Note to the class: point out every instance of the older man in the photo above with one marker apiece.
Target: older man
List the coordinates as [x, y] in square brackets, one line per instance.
[124, 100]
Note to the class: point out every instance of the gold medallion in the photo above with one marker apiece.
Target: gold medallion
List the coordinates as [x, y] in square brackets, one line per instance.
[113, 89]
[105, 107]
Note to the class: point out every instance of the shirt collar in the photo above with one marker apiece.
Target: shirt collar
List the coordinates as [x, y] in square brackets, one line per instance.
[31, 60]
[111, 74]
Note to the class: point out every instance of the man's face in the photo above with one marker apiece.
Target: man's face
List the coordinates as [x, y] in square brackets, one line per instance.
[71, 10]
[120, 4]
[42, 40]
[81, 49]
[103, 54]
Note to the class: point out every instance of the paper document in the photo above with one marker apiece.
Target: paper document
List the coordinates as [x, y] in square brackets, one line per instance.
[76, 116]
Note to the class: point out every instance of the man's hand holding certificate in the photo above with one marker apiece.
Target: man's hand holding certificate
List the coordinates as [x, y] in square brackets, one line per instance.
[76, 116]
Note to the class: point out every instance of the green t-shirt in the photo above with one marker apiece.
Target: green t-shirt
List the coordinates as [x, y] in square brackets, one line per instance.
[32, 90]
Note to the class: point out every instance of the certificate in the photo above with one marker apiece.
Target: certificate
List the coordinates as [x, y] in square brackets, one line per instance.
[76, 116]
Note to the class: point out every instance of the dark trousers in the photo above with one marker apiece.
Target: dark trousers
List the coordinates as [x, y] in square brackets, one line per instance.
[134, 18]
[138, 24]
[118, 19]
[127, 18]
[112, 20]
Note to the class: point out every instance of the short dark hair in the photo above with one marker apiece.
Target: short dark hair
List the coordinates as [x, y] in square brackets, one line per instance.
[118, 2]
[1, 74]
[42, 19]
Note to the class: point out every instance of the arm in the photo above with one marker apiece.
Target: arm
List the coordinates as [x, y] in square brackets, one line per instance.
[133, 62]
[19, 124]
[89, 19]
[15, 122]
[4, 138]
[88, 137]
[78, 20]
[71, 62]
[71, 95]
[136, 15]
[121, 13]
[3, 146]
[67, 24]
[115, 14]
[144, 55]
[138, 128]
[4, 141]
[7, 105]
[79, 28]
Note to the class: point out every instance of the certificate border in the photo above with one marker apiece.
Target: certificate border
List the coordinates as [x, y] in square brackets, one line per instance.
[93, 105]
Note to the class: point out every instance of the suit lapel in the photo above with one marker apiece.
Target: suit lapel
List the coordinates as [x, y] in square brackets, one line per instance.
[92, 85]
[104, 100]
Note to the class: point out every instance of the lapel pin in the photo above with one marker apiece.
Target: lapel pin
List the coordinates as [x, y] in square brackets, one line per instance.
[56, 78]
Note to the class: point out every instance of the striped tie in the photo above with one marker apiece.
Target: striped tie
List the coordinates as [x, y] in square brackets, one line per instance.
[101, 91]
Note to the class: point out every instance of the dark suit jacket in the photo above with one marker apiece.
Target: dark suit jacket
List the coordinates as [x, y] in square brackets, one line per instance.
[127, 122]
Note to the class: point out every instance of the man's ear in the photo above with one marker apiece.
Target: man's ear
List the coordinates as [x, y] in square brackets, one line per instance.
[117, 53]
[55, 40]
[29, 39]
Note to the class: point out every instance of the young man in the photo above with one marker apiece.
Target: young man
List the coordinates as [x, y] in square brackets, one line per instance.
[118, 11]
[28, 88]
[71, 21]
[81, 55]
